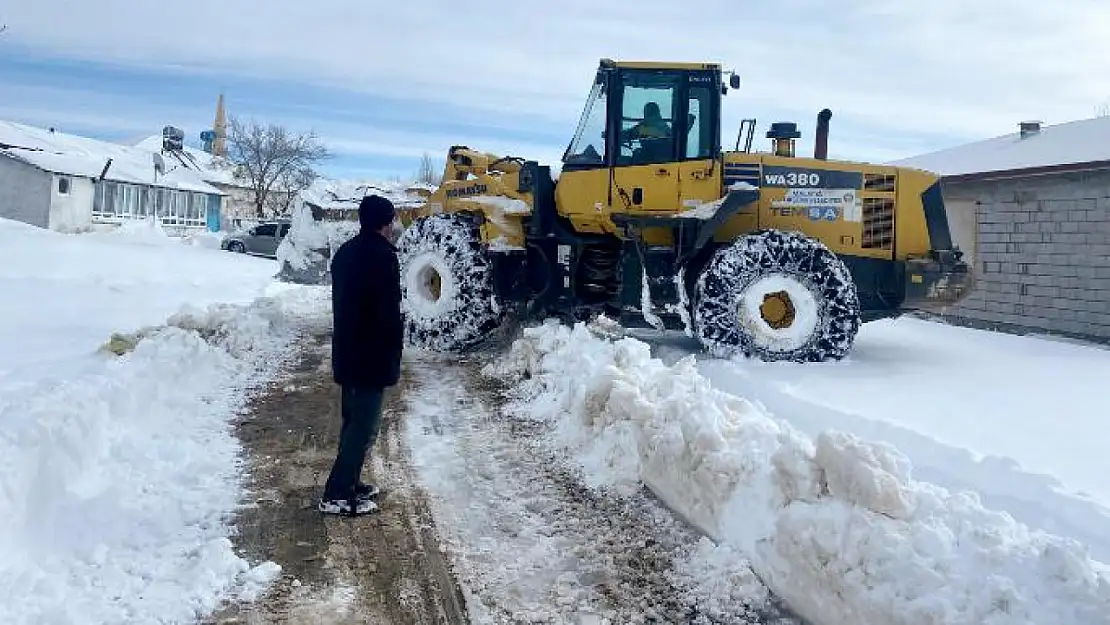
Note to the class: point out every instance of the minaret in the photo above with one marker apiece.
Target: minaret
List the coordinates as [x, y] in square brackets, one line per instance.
[219, 144]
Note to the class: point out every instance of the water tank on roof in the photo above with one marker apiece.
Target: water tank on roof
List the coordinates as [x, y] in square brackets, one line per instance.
[173, 139]
[208, 137]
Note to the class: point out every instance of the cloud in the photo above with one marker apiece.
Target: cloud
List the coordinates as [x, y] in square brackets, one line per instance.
[901, 77]
[83, 111]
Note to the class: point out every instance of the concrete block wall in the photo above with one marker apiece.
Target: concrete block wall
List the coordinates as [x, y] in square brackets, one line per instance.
[25, 192]
[1042, 254]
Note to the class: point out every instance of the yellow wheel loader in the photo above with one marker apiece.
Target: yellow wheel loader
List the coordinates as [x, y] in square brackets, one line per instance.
[654, 225]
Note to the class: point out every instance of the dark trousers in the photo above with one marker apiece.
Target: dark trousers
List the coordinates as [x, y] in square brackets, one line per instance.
[361, 409]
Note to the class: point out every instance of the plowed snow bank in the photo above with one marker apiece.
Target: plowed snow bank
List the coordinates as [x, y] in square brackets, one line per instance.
[115, 484]
[835, 526]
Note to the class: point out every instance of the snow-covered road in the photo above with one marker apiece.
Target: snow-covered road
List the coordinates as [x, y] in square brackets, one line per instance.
[533, 544]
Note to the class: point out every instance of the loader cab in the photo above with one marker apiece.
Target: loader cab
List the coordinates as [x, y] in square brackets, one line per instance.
[648, 113]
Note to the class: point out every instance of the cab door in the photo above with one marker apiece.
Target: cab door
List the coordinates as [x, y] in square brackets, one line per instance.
[646, 164]
[582, 194]
[699, 172]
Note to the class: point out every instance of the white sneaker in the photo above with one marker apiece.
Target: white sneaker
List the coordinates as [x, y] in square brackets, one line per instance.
[343, 507]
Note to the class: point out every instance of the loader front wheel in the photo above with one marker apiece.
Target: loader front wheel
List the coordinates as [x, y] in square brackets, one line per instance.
[447, 294]
[777, 295]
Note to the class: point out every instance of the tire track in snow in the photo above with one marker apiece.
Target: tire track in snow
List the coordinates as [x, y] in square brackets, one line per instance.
[532, 544]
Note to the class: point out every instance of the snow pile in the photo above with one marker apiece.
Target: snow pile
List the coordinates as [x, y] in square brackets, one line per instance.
[305, 253]
[982, 432]
[117, 473]
[151, 231]
[148, 228]
[504, 213]
[501, 204]
[835, 526]
[208, 240]
[116, 483]
[344, 195]
[65, 294]
[701, 210]
[696, 209]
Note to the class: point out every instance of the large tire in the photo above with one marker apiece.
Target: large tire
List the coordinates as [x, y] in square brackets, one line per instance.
[777, 295]
[446, 284]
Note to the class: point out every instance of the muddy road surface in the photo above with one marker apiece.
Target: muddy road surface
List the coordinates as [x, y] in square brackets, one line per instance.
[380, 568]
[479, 521]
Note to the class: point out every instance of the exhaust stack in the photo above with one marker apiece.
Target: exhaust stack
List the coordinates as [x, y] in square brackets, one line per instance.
[821, 147]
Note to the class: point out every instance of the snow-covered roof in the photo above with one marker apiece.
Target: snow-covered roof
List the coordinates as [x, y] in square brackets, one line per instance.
[1071, 143]
[61, 153]
[213, 169]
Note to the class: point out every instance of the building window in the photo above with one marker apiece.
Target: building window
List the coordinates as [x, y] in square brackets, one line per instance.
[114, 201]
[105, 199]
[63, 185]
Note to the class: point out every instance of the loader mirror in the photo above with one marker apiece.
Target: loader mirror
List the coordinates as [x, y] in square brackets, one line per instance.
[734, 81]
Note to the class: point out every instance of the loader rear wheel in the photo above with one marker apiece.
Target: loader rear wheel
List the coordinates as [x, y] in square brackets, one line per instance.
[777, 295]
[446, 284]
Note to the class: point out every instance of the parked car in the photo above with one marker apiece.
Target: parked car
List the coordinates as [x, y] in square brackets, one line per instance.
[260, 240]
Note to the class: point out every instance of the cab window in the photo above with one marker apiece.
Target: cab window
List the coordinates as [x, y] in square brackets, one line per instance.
[647, 131]
[588, 145]
[700, 142]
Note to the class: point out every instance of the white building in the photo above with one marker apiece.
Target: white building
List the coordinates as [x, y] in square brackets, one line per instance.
[238, 207]
[69, 183]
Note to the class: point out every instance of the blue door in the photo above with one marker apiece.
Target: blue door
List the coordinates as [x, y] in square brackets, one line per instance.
[213, 213]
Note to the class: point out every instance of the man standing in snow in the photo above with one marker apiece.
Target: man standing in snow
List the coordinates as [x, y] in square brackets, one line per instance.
[366, 349]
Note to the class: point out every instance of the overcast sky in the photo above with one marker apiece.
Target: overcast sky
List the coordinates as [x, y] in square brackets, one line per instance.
[383, 85]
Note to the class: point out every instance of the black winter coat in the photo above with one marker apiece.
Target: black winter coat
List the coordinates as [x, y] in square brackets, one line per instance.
[368, 331]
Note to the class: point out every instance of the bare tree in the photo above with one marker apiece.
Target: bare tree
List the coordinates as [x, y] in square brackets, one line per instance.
[275, 163]
[427, 172]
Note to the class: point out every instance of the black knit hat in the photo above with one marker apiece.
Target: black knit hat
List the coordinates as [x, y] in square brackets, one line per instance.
[375, 212]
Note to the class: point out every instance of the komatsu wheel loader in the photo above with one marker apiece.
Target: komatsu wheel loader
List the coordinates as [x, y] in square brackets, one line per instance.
[652, 224]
